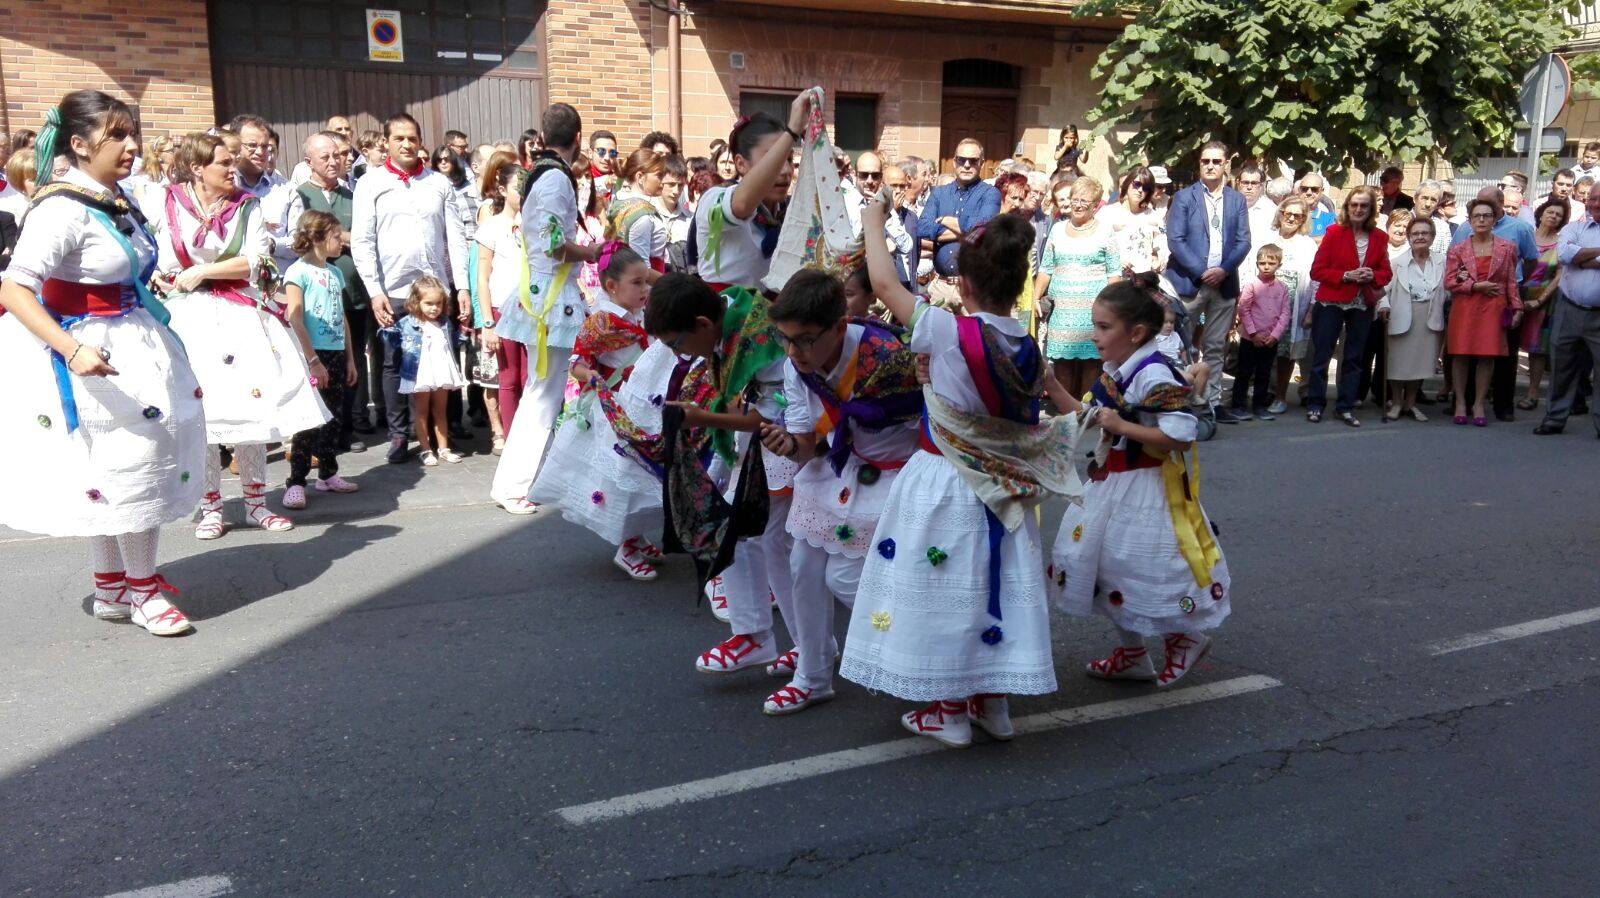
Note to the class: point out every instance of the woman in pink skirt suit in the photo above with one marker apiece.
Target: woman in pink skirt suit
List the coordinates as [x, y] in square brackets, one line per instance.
[1481, 274]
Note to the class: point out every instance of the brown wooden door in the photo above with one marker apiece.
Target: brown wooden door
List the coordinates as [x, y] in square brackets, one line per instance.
[988, 116]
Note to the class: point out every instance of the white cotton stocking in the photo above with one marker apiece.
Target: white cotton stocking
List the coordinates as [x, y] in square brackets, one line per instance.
[139, 552]
[252, 464]
[104, 555]
[213, 470]
[1130, 639]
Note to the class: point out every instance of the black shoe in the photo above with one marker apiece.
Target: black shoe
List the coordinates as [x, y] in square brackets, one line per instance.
[397, 451]
[1424, 399]
[363, 427]
[458, 432]
[478, 419]
[1580, 407]
[1506, 417]
[1544, 429]
[1224, 416]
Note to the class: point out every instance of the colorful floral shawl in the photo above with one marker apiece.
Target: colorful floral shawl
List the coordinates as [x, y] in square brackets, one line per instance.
[622, 213]
[607, 332]
[879, 389]
[749, 343]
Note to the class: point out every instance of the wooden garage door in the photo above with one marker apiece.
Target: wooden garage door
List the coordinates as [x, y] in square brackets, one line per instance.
[987, 116]
[471, 65]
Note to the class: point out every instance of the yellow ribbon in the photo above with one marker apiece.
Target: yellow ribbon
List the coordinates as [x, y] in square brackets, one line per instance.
[1195, 539]
[847, 385]
[542, 330]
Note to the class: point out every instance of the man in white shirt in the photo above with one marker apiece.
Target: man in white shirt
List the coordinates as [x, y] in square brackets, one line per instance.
[406, 225]
[1561, 187]
[254, 175]
[1251, 182]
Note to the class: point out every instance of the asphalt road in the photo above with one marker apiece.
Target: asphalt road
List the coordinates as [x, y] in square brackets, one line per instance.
[413, 693]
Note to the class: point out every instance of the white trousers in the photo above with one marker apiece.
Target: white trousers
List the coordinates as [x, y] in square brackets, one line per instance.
[531, 430]
[819, 578]
[761, 566]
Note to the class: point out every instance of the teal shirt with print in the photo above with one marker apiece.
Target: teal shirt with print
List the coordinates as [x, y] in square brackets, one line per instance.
[323, 308]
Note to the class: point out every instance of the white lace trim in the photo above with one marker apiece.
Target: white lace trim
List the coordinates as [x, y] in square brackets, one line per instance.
[935, 688]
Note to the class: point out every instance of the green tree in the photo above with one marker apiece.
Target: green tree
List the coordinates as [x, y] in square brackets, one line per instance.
[1324, 83]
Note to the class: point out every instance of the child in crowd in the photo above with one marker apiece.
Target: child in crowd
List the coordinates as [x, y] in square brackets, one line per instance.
[1170, 341]
[314, 308]
[859, 299]
[609, 492]
[851, 384]
[1264, 310]
[428, 369]
[952, 609]
[1127, 553]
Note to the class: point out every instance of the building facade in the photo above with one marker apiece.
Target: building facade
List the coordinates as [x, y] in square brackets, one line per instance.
[907, 76]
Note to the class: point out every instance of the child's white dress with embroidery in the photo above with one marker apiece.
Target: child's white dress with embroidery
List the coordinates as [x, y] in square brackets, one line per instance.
[437, 368]
[1118, 554]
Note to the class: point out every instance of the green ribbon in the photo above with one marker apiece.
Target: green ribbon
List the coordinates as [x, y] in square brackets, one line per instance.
[44, 147]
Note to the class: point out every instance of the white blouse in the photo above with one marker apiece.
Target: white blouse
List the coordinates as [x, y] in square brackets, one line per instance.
[253, 247]
[63, 241]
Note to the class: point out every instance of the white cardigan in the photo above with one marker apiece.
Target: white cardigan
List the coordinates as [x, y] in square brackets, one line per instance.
[1412, 285]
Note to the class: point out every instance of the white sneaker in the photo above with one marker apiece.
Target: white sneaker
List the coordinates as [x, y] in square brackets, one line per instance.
[791, 699]
[717, 599]
[1278, 407]
[518, 506]
[737, 653]
[992, 714]
[633, 564]
[786, 664]
[1183, 653]
[430, 459]
[944, 721]
[1122, 664]
[451, 456]
[152, 611]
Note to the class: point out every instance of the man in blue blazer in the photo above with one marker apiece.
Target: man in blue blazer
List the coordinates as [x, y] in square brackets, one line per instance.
[1208, 235]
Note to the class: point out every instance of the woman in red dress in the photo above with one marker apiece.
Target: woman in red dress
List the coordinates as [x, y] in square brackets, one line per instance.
[1481, 274]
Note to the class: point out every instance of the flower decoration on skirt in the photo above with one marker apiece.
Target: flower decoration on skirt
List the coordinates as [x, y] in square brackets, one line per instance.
[844, 532]
[1187, 604]
[992, 636]
[937, 556]
[1077, 533]
[886, 549]
[597, 497]
[1115, 597]
[880, 620]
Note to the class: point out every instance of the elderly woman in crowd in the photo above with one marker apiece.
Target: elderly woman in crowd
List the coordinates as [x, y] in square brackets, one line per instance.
[1351, 269]
[1481, 274]
[1414, 306]
[1079, 259]
[1291, 228]
[1540, 289]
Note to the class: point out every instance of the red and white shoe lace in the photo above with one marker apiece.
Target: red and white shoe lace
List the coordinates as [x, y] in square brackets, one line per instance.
[645, 549]
[210, 526]
[152, 611]
[945, 721]
[737, 653]
[1183, 653]
[633, 564]
[785, 665]
[111, 596]
[717, 598]
[1123, 664]
[991, 712]
[791, 699]
[255, 510]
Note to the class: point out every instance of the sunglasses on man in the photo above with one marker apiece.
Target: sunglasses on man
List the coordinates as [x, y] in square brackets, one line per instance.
[968, 161]
[605, 154]
[869, 175]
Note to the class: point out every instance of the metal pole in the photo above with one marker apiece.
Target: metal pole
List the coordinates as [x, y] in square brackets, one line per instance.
[675, 69]
[1536, 136]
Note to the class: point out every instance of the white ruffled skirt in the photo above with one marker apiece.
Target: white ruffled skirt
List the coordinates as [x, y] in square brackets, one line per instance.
[595, 482]
[137, 458]
[1117, 555]
[922, 631]
[517, 323]
[257, 387]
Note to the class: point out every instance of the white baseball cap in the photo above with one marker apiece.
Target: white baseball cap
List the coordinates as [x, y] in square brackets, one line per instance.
[1160, 173]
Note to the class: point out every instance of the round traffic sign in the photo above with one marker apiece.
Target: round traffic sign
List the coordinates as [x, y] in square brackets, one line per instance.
[1559, 86]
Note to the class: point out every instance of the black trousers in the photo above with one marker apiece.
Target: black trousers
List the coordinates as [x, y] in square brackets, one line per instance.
[1256, 367]
[1374, 363]
[1503, 382]
[356, 397]
[323, 442]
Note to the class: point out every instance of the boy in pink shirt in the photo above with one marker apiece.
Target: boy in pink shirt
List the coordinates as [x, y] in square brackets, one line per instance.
[1263, 314]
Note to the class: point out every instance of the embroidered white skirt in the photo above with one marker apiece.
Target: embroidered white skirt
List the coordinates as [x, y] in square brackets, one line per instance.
[137, 458]
[567, 315]
[918, 628]
[838, 513]
[1117, 555]
[257, 387]
[594, 480]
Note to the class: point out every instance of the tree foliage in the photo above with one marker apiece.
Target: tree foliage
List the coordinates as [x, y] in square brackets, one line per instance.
[1329, 84]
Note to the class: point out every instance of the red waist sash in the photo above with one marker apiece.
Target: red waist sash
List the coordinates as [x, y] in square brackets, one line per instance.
[1117, 461]
[72, 300]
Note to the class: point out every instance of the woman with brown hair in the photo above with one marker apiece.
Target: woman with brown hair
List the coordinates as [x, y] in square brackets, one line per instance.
[105, 431]
[1351, 269]
[214, 261]
[1291, 228]
[1481, 274]
[632, 216]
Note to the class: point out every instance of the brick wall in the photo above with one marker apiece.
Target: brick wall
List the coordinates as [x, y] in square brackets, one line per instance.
[154, 54]
[598, 59]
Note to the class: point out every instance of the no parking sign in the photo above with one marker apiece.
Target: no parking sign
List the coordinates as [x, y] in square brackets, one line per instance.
[384, 43]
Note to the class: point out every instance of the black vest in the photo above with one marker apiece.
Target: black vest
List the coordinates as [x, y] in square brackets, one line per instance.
[342, 207]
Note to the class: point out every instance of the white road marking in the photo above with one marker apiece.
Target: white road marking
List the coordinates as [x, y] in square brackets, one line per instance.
[199, 887]
[1515, 631]
[1342, 434]
[833, 762]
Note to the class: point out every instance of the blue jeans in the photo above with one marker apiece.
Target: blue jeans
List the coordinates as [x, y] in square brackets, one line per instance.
[1326, 324]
